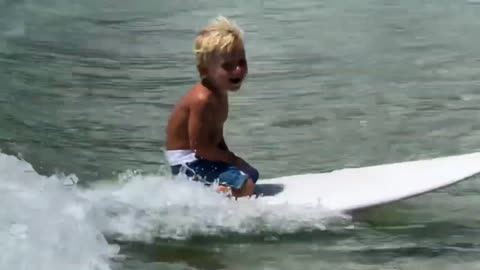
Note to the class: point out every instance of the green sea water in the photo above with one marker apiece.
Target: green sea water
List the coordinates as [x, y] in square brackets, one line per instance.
[87, 87]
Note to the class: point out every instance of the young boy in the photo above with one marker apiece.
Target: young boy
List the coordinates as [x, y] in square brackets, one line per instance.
[195, 143]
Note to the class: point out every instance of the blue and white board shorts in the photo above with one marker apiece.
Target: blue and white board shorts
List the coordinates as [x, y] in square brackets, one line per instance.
[208, 172]
[186, 162]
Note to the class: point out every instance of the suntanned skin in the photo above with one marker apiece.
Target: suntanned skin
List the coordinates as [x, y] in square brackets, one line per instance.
[201, 113]
[197, 121]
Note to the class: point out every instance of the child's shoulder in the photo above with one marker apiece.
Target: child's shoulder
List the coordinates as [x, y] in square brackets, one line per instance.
[199, 95]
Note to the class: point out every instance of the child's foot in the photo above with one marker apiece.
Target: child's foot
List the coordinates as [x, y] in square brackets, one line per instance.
[224, 190]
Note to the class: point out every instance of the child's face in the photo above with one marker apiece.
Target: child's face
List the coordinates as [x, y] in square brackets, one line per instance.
[227, 71]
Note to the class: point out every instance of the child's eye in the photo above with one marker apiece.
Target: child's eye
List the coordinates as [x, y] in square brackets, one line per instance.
[228, 66]
[232, 65]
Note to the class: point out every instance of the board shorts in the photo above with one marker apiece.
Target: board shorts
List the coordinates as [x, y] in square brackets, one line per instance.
[205, 171]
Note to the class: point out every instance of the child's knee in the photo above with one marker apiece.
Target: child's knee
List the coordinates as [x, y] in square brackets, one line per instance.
[249, 186]
[252, 172]
[247, 189]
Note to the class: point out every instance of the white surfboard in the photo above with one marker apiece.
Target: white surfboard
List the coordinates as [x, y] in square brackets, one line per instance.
[357, 188]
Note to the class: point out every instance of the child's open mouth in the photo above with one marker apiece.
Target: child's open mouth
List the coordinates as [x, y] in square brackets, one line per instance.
[235, 80]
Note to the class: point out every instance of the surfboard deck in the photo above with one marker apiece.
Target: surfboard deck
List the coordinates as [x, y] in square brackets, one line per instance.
[351, 189]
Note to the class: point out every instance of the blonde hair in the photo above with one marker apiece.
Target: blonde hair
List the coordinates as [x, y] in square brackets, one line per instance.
[220, 36]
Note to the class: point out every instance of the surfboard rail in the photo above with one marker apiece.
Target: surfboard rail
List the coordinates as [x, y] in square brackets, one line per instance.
[351, 189]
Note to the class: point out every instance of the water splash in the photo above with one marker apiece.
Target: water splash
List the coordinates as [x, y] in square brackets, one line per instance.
[45, 224]
[54, 224]
[147, 207]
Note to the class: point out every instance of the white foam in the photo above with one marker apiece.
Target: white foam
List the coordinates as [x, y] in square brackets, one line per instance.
[148, 207]
[49, 223]
[44, 224]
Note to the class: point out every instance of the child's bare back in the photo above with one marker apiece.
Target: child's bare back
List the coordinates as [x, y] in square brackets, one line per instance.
[195, 143]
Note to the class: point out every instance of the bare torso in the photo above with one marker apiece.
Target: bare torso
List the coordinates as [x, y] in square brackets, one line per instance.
[177, 130]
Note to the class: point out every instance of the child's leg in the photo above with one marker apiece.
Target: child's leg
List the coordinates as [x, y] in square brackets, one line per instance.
[230, 178]
[247, 189]
[223, 189]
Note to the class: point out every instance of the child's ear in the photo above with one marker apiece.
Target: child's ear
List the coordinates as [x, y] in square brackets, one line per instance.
[202, 70]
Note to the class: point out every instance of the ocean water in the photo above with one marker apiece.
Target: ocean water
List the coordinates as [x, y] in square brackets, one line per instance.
[86, 88]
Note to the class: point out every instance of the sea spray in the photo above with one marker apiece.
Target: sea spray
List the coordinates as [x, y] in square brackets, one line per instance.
[146, 207]
[44, 224]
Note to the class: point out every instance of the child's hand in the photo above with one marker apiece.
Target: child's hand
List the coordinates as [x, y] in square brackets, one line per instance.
[248, 169]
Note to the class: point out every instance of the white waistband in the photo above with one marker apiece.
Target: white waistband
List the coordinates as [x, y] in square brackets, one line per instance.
[176, 157]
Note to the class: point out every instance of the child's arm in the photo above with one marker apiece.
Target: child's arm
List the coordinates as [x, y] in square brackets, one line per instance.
[223, 145]
[198, 130]
[240, 163]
